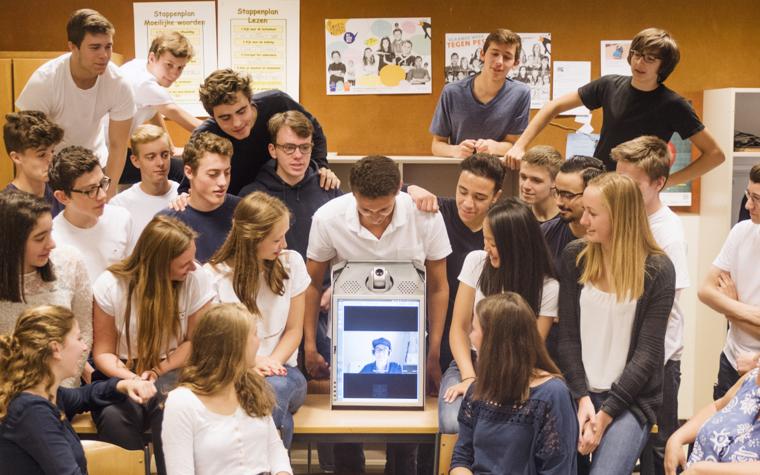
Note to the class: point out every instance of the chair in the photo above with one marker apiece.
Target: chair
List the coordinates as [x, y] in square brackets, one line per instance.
[108, 459]
[445, 451]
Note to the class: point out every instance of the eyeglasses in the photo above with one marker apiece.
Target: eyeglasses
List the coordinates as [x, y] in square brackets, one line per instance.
[648, 58]
[565, 195]
[290, 148]
[92, 192]
[755, 199]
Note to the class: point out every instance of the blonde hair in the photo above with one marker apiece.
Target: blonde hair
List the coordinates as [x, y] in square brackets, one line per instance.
[546, 157]
[254, 218]
[174, 42]
[632, 240]
[648, 153]
[219, 358]
[146, 133]
[24, 354]
[146, 273]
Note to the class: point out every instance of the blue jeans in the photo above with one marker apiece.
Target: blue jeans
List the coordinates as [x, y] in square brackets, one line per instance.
[448, 411]
[621, 443]
[290, 394]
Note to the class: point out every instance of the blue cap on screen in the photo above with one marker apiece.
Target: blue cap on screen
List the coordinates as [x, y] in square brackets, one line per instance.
[381, 341]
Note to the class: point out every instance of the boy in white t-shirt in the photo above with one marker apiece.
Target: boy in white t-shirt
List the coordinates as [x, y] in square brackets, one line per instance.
[151, 154]
[101, 232]
[82, 92]
[169, 54]
[646, 160]
[732, 287]
[377, 222]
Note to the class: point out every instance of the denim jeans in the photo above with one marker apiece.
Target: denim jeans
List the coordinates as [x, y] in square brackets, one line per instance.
[448, 411]
[727, 377]
[621, 443]
[290, 394]
[653, 456]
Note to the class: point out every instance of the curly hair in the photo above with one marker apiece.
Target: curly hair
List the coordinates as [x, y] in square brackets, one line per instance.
[202, 143]
[221, 87]
[24, 354]
[375, 176]
[219, 358]
[69, 164]
[29, 129]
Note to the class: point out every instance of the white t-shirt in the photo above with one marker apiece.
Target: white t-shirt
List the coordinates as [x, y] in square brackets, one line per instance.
[71, 289]
[668, 232]
[83, 114]
[274, 308]
[336, 234]
[199, 441]
[606, 327]
[109, 241]
[147, 91]
[143, 206]
[740, 256]
[111, 295]
[473, 267]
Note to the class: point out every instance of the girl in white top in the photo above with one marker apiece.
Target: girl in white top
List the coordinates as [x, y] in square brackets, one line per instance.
[146, 308]
[219, 418]
[34, 272]
[515, 259]
[253, 267]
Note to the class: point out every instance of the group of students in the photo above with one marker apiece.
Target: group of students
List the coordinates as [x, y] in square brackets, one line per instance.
[542, 346]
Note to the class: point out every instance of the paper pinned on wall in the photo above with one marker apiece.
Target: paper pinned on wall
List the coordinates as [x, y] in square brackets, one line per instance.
[615, 57]
[261, 38]
[568, 77]
[197, 22]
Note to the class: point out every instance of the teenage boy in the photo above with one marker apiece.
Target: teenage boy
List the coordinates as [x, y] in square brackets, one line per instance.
[486, 112]
[646, 160]
[376, 221]
[634, 106]
[337, 71]
[571, 181]
[242, 117]
[29, 140]
[151, 155]
[102, 233]
[209, 208]
[81, 89]
[538, 170]
[150, 79]
[732, 287]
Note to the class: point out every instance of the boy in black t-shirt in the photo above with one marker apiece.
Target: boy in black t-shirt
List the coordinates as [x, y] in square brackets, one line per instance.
[634, 106]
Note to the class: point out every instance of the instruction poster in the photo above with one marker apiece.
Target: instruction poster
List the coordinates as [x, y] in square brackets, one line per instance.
[261, 38]
[378, 56]
[615, 57]
[463, 55]
[197, 22]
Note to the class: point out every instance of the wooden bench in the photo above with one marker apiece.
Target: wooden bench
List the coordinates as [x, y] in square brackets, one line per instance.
[108, 459]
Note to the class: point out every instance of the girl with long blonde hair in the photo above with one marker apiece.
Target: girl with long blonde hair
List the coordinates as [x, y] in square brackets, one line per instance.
[45, 348]
[254, 267]
[146, 308]
[219, 419]
[616, 291]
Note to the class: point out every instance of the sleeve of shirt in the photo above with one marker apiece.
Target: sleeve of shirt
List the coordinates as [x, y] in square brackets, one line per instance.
[558, 437]
[320, 247]
[437, 245]
[683, 118]
[300, 279]
[278, 456]
[124, 102]
[522, 113]
[132, 236]
[41, 435]
[177, 433]
[441, 123]
[200, 290]
[592, 94]
[569, 341]
[104, 291]
[89, 397]
[81, 302]
[727, 256]
[37, 95]
[150, 93]
[549, 298]
[471, 268]
[464, 451]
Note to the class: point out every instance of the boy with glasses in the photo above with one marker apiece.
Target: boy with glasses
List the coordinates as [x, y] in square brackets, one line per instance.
[101, 232]
[634, 106]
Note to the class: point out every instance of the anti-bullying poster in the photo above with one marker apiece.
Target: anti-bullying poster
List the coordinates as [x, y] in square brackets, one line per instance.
[378, 56]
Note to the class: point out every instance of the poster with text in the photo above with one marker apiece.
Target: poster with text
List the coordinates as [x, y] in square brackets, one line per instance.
[197, 22]
[680, 157]
[261, 38]
[463, 55]
[378, 56]
[615, 57]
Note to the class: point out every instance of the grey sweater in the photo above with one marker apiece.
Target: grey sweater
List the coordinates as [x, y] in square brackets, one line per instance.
[639, 388]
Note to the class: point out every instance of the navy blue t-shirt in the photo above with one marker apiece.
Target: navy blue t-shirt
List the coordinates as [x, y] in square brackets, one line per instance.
[55, 205]
[212, 226]
[558, 235]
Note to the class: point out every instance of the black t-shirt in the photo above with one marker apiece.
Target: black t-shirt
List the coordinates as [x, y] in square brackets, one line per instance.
[558, 235]
[463, 241]
[251, 153]
[336, 67]
[629, 113]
